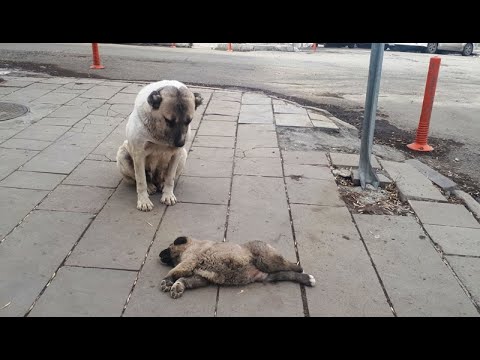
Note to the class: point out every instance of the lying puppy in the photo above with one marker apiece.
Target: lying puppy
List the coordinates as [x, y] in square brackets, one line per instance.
[197, 263]
[153, 155]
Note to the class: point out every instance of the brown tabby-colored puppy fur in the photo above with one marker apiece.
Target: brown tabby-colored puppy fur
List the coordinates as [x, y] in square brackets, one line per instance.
[197, 263]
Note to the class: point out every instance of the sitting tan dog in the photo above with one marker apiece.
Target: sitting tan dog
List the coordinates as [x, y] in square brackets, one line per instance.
[197, 263]
[153, 156]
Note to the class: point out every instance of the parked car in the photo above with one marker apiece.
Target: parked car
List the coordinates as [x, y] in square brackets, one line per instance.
[466, 49]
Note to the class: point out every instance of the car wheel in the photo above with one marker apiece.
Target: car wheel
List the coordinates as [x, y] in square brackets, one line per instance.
[467, 49]
[432, 48]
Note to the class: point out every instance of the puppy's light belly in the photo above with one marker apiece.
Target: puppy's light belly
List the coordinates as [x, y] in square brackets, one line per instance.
[240, 276]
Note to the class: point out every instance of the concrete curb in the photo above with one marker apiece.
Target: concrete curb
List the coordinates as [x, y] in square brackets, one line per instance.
[469, 201]
[444, 182]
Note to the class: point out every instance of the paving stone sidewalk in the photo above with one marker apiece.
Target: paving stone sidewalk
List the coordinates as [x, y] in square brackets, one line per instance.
[74, 244]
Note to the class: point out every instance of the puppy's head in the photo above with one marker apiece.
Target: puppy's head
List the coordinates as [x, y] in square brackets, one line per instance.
[173, 108]
[172, 255]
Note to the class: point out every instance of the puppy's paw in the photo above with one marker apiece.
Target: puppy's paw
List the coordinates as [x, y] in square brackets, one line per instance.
[144, 203]
[177, 290]
[151, 189]
[311, 279]
[168, 199]
[166, 285]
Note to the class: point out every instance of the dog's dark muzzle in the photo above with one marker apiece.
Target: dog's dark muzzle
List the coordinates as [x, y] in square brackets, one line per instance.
[165, 257]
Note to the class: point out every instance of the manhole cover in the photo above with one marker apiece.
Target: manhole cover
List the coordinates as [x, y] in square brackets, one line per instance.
[11, 111]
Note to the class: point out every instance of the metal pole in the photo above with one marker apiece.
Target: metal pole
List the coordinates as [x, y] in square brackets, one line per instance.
[366, 172]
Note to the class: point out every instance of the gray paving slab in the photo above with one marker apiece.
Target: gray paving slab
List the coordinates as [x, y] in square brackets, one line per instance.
[11, 159]
[256, 99]
[305, 157]
[26, 144]
[205, 222]
[444, 182]
[250, 136]
[214, 141]
[100, 92]
[215, 154]
[455, 240]
[203, 190]
[289, 109]
[217, 128]
[60, 159]
[350, 160]
[58, 121]
[222, 107]
[86, 103]
[411, 184]
[32, 180]
[56, 98]
[414, 275]
[15, 205]
[296, 120]
[208, 168]
[42, 132]
[85, 292]
[95, 173]
[120, 235]
[313, 192]
[444, 214]
[263, 300]
[31, 254]
[468, 270]
[227, 96]
[109, 147]
[470, 202]
[258, 153]
[68, 111]
[256, 114]
[121, 98]
[86, 199]
[88, 140]
[258, 166]
[213, 117]
[307, 171]
[330, 249]
[258, 211]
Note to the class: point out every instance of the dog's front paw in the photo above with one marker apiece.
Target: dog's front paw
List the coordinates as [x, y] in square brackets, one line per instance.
[166, 285]
[168, 199]
[144, 203]
[177, 290]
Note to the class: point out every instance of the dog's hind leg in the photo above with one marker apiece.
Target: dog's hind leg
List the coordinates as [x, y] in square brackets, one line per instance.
[192, 282]
[269, 260]
[301, 278]
[125, 163]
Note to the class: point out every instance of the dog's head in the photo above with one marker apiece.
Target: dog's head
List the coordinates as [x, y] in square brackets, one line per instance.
[172, 111]
[171, 256]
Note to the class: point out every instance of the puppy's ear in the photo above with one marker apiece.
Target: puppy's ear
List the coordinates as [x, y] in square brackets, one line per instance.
[154, 99]
[198, 100]
[180, 240]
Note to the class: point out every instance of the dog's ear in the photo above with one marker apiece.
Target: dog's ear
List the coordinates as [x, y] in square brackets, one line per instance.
[180, 240]
[198, 100]
[154, 99]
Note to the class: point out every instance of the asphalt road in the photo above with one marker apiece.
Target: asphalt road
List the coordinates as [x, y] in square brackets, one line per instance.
[335, 77]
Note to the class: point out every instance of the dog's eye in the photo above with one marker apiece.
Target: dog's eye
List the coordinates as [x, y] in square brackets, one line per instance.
[188, 120]
[170, 122]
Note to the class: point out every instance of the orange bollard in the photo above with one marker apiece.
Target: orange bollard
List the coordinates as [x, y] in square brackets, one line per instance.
[96, 58]
[420, 143]
[229, 47]
[173, 45]
[314, 47]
